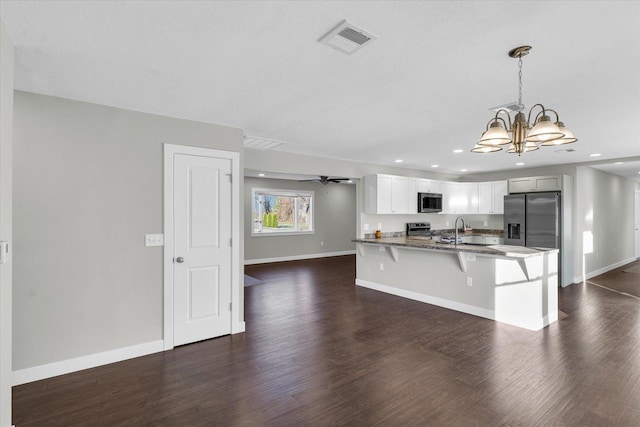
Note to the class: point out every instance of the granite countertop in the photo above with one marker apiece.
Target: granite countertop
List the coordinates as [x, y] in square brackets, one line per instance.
[475, 232]
[419, 242]
[444, 232]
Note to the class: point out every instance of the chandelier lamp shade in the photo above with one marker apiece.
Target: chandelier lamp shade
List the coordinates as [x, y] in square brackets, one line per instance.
[521, 134]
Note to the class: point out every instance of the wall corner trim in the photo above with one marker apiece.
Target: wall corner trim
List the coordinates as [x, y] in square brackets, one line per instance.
[54, 369]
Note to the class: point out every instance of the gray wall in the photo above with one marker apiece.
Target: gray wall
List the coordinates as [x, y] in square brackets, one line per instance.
[605, 207]
[335, 221]
[88, 186]
[6, 171]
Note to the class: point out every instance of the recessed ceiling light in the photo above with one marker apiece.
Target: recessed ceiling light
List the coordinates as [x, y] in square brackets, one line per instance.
[457, 150]
[260, 174]
[434, 166]
[349, 182]
[618, 163]
[399, 160]
[595, 155]
[463, 170]
[519, 164]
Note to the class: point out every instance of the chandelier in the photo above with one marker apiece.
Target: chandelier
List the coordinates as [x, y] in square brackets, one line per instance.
[518, 132]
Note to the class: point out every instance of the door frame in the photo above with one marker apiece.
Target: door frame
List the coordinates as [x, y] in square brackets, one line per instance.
[636, 223]
[170, 150]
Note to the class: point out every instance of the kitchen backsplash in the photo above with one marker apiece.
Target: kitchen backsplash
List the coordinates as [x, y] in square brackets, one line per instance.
[397, 223]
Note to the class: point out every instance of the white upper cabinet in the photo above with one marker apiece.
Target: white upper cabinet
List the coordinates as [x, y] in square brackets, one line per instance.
[428, 186]
[535, 184]
[491, 197]
[469, 197]
[388, 194]
[459, 197]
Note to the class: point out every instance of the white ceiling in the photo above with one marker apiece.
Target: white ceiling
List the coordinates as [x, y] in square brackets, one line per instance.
[422, 89]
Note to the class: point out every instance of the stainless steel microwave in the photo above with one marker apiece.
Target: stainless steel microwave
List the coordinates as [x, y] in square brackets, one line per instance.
[429, 202]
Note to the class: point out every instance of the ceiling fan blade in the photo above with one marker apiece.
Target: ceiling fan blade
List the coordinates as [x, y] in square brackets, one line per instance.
[324, 180]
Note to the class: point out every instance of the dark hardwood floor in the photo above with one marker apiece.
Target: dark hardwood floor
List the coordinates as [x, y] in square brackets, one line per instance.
[619, 280]
[320, 351]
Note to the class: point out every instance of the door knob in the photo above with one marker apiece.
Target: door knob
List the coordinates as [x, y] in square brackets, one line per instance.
[179, 260]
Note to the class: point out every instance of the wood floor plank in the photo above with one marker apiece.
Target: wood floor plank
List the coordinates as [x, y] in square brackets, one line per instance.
[319, 351]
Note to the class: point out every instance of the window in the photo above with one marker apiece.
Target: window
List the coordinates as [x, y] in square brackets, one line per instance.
[282, 212]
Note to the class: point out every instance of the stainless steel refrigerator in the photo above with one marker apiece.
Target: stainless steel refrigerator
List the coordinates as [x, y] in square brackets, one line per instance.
[532, 219]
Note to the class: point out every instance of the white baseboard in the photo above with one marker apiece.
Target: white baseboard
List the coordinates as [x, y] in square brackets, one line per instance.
[297, 257]
[49, 370]
[602, 270]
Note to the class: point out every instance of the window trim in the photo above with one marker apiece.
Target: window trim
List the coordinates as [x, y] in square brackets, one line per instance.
[288, 193]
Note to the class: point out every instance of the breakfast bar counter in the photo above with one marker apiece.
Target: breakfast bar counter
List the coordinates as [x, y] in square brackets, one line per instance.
[509, 284]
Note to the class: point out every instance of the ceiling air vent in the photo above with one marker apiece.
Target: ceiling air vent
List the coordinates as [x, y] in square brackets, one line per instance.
[347, 38]
[511, 107]
[261, 143]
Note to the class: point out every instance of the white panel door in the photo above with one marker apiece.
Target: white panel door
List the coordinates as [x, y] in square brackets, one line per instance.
[202, 248]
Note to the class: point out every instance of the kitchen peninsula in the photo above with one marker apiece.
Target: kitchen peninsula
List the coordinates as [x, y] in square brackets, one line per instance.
[509, 284]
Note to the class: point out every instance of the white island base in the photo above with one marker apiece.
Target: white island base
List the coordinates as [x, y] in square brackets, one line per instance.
[514, 288]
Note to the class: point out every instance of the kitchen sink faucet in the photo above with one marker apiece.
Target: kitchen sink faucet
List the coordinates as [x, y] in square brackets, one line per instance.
[455, 242]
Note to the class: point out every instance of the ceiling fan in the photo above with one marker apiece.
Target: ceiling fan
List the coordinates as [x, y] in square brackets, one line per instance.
[324, 180]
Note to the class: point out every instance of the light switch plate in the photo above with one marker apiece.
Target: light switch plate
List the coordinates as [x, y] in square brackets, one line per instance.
[154, 239]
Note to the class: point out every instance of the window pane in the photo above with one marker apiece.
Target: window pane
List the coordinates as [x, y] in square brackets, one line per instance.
[304, 213]
[282, 211]
[284, 208]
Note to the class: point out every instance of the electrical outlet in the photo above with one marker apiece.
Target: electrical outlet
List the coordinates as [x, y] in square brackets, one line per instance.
[471, 257]
[381, 248]
[321, 243]
[154, 239]
[469, 281]
[448, 224]
[366, 227]
[486, 223]
[381, 266]
[379, 226]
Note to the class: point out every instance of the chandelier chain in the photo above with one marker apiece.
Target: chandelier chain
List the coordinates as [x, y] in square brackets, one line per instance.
[520, 104]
